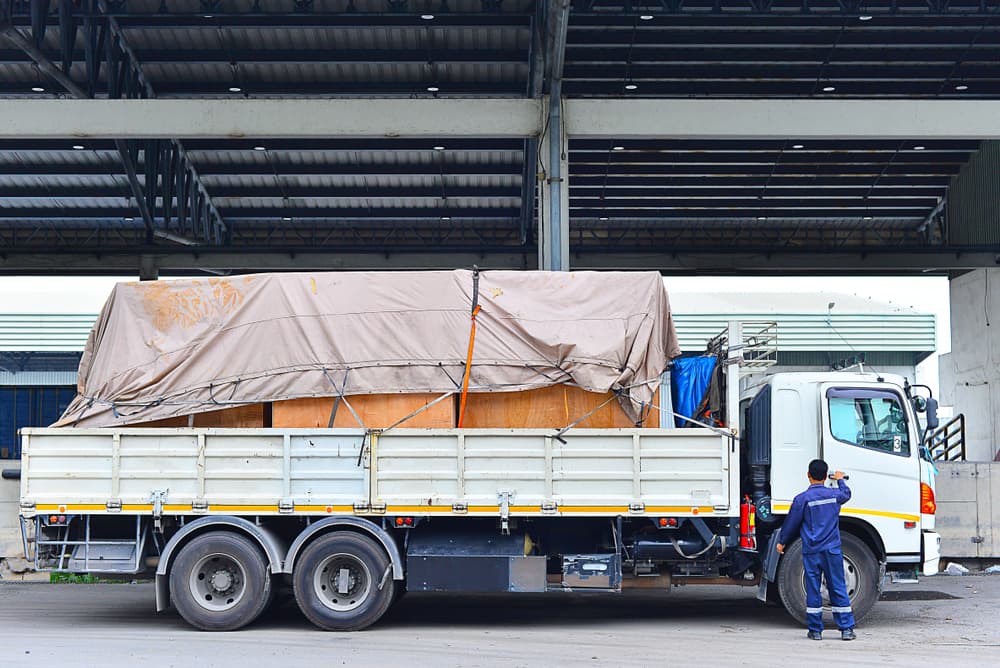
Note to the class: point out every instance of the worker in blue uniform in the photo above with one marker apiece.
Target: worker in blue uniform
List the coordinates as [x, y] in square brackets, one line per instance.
[815, 513]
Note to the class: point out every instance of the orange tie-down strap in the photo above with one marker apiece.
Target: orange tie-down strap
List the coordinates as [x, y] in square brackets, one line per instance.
[468, 366]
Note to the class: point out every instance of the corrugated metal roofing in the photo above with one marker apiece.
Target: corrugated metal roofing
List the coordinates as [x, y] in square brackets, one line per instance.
[37, 378]
[887, 331]
[44, 332]
[814, 331]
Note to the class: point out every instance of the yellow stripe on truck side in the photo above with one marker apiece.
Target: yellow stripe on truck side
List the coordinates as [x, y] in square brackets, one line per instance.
[784, 508]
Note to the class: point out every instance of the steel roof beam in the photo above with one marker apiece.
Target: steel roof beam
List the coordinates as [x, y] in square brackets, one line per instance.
[679, 260]
[265, 213]
[239, 118]
[502, 117]
[782, 119]
[57, 190]
[281, 166]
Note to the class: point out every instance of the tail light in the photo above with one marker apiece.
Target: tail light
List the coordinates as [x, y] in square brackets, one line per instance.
[927, 504]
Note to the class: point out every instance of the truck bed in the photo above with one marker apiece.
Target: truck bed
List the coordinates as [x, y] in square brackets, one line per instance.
[523, 472]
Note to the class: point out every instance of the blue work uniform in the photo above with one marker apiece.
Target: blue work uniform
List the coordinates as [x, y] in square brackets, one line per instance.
[815, 514]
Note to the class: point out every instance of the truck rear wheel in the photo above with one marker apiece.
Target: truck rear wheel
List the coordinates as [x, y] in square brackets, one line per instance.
[861, 574]
[343, 582]
[219, 582]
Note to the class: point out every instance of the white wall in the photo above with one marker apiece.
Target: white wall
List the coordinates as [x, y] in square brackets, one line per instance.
[970, 374]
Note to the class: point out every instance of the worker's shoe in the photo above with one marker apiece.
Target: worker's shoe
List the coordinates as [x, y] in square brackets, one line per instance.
[847, 634]
[815, 635]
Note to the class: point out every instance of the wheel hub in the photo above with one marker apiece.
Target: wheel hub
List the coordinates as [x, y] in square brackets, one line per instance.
[342, 582]
[218, 582]
[222, 581]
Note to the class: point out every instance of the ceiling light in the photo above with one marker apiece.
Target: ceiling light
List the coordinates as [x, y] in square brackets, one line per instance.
[287, 219]
[235, 89]
[37, 89]
[646, 17]
[432, 89]
[260, 148]
[617, 148]
[438, 148]
[128, 219]
[797, 146]
[958, 87]
[427, 17]
[829, 89]
[445, 218]
[761, 217]
[919, 148]
[208, 16]
[630, 86]
[78, 147]
[865, 17]
[867, 218]
[603, 218]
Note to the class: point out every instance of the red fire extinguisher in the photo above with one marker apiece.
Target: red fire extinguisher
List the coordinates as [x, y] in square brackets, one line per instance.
[748, 525]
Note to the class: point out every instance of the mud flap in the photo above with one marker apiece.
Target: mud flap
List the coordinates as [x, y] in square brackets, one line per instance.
[771, 558]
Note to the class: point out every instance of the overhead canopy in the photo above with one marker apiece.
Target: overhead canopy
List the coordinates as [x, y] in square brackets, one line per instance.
[167, 348]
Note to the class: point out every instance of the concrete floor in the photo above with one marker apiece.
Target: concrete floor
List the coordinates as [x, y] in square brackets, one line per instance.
[940, 621]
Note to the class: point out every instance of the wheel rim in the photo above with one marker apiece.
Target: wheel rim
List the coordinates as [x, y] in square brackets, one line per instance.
[218, 582]
[342, 582]
[852, 581]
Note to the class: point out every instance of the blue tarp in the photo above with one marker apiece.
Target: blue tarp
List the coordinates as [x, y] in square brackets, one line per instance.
[689, 380]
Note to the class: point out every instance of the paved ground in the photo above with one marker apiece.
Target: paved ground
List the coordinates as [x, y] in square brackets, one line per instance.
[952, 621]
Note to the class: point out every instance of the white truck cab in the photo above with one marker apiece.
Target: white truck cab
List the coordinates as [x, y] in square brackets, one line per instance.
[864, 424]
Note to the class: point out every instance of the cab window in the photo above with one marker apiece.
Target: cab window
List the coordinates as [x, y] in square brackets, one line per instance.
[871, 419]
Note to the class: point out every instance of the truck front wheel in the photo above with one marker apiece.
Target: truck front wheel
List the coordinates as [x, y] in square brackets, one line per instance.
[861, 573]
[343, 582]
[219, 582]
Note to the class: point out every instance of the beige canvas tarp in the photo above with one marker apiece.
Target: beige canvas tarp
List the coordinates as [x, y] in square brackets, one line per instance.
[167, 348]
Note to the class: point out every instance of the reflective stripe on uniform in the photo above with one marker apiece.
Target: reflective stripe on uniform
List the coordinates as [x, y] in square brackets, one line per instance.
[815, 611]
[822, 502]
[838, 608]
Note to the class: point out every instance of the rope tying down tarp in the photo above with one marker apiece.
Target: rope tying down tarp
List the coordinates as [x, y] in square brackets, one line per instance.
[722, 432]
[472, 344]
[342, 397]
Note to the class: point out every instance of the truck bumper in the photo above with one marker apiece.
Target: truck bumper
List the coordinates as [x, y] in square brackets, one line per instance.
[930, 552]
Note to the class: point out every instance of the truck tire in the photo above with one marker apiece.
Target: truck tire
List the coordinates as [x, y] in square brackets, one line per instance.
[219, 582]
[861, 573]
[343, 582]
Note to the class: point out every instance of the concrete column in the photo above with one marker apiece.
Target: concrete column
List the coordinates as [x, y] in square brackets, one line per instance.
[970, 374]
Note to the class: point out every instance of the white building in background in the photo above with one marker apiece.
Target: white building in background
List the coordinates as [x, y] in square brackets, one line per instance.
[816, 331]
[970, 373]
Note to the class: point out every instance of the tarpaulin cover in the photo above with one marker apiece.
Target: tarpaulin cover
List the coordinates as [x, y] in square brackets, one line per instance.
[689, 380]
[166, 348]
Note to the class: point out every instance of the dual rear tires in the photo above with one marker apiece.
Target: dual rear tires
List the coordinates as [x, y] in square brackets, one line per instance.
[220, 582]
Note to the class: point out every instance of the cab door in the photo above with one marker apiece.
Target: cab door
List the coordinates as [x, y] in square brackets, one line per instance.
[867, 435]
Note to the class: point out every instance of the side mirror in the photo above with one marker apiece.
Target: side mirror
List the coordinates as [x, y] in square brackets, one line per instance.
[932, 417]
[919, 403]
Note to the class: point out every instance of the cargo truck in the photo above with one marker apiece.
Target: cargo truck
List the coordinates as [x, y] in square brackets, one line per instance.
[352, 518]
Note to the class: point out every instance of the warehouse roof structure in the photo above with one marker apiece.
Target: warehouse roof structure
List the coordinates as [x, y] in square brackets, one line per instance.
[672, 197]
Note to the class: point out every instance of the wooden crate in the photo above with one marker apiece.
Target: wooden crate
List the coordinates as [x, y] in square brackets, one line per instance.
[548, 408]
[253, 416]
[377, 411]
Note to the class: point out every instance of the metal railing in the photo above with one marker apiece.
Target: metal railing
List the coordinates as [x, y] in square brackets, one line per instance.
[947, 442]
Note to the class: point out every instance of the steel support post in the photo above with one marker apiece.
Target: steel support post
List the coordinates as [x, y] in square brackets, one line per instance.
[553, 236]
[556, 231]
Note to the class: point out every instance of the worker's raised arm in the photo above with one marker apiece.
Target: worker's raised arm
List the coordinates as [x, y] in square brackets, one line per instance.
[843, 491]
